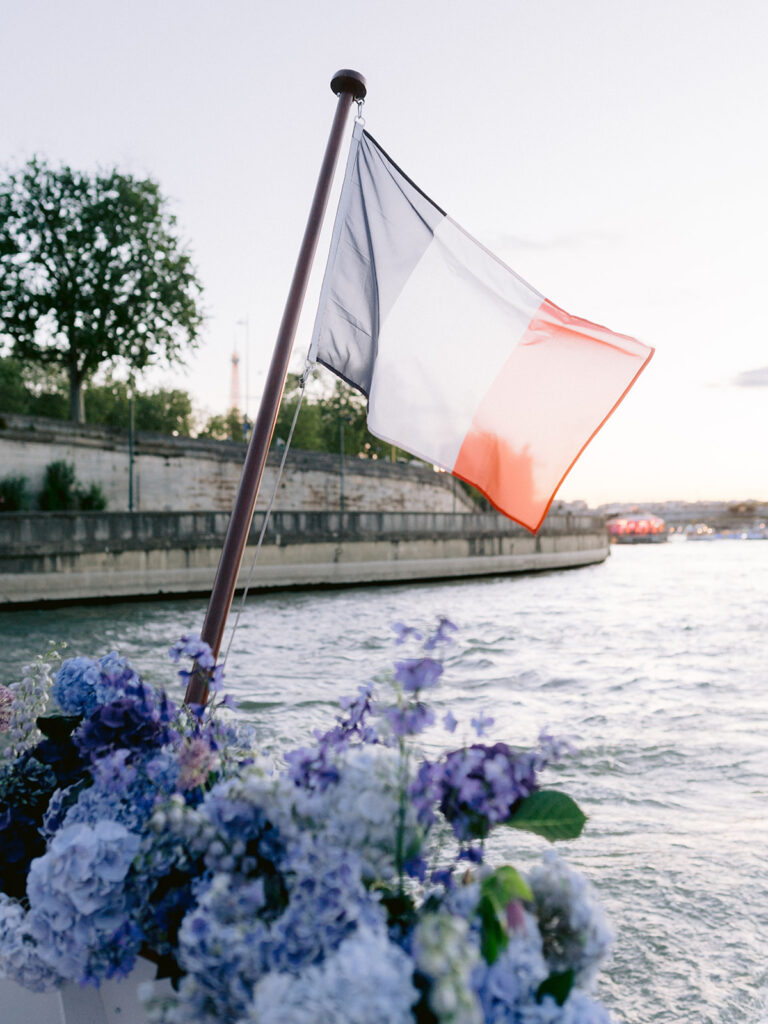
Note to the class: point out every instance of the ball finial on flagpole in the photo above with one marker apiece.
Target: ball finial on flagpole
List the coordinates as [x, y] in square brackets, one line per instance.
[349, 81]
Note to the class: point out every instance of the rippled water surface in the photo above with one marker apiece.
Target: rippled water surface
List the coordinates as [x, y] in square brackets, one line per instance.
[656, 663]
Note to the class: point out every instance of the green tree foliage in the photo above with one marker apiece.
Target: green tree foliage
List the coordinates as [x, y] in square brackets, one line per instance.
[14, 494]
[92, 272]
[33, 392]
[318, 428]
[164, 410]
[14, 396]
[320, 423]
[61, 490]
[227, 427]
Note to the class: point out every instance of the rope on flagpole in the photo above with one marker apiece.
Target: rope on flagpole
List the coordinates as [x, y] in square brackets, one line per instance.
[268, 511]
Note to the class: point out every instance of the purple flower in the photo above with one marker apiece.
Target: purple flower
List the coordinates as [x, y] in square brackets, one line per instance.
[357, 707]
[475, 787]
[442, 876]
[409, 721]
[449, 722]
[554, 748]
[191, 646]
[139, 721]
[403, 632]
[312, 768]
[416, 674]
[482, 724]
[416, 867]
[441, 634]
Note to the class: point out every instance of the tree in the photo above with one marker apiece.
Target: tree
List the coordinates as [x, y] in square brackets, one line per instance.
[31, 390]
[164, 410]
[320, 419]
[14, 396]
[224, 427]
[92, 272]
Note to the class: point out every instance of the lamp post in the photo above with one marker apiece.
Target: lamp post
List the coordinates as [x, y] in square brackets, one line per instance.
[341, 464]
[246, 419]
[130, 446]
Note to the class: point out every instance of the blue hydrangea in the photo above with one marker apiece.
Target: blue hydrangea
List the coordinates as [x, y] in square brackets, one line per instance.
[315, 892]
[368, 979]
[575, 932]
[116, 678]
[578, 1008]
[74, 688]
[514, 978]
[327, 900]
[82, 684]
[79, 908]
[223, 947]
[19, 958]
[362, 811]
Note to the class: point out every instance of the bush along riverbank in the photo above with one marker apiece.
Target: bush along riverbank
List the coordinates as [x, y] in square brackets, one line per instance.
[349, 883]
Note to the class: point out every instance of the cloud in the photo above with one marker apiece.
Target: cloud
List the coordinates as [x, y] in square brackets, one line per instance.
[752, 378]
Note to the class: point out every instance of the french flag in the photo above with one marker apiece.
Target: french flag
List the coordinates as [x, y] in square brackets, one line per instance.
[463, 363]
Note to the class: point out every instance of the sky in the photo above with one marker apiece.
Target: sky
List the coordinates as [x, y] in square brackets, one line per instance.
[613, 152]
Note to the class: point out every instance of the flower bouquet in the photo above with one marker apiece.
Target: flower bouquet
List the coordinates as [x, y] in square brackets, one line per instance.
[347, 884]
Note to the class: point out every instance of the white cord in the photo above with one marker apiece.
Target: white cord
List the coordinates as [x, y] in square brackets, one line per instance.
[268, 510]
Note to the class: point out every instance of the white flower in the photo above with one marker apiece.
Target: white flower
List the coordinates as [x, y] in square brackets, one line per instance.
[30, 698]
[361, 811]
[445, 953]
[367, 980]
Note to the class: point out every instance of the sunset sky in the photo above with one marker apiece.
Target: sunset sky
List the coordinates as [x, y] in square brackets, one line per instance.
[613, 152]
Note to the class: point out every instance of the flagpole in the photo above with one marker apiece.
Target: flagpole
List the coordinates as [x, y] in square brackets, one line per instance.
[349, 86]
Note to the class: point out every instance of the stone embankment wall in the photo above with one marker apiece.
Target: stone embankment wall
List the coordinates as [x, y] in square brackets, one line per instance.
[67, 556]
[186, 474]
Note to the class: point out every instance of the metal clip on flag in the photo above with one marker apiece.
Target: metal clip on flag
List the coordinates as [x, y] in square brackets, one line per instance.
[463, 363]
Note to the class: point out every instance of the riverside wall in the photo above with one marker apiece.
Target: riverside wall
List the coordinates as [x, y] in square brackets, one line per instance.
[190, 474]
[61, 557]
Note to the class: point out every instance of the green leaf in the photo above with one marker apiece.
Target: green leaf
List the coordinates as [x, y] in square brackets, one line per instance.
[497, 891]
[549, 813]
[504, 885]
[493, 930]
[556, 985]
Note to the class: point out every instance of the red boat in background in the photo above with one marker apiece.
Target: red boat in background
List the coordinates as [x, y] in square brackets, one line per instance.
[640, 528]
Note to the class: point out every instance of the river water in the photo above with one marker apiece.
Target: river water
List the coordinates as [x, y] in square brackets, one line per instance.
[655, 663]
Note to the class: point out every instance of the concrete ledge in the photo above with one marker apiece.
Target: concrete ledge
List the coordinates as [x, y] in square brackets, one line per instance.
[80, 557]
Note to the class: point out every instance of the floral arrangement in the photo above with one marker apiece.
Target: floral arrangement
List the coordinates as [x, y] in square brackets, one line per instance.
[348, 884]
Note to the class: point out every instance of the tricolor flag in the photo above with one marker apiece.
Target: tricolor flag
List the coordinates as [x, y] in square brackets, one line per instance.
[463, 363]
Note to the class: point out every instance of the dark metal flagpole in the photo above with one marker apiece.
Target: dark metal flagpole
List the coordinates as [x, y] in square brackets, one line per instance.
[348, 86]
